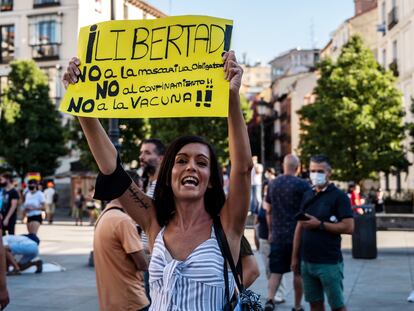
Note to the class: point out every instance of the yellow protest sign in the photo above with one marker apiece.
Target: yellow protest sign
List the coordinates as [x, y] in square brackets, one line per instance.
[167, 67]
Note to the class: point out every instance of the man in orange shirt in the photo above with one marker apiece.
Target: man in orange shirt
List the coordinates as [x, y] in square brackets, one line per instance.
[120, 261]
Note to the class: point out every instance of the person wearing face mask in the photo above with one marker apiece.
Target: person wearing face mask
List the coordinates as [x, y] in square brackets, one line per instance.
[328, 214]
[34, 204]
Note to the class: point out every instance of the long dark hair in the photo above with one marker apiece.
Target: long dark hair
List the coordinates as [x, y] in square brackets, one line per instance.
[214, 197]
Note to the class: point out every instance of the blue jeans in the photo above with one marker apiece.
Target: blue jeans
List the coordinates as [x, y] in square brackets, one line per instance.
[28, 250]
[255, 198]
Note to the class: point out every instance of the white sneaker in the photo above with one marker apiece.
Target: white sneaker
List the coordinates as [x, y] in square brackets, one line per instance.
[411, 297]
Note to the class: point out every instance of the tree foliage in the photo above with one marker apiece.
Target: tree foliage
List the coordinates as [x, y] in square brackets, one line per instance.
[31, 134]
[357, 119]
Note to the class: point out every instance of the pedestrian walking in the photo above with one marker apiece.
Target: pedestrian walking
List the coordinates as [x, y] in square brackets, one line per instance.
[187, 266]
[34, 204]
[78, 206]
[10, 200]
[318, 239]
[91, 205]
[282, 203]
[50, 198]
[256, 186]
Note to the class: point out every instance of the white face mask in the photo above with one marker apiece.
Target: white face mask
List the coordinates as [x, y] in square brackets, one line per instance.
[318, 179]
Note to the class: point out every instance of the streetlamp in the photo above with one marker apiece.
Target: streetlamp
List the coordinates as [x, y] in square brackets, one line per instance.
[263, 110]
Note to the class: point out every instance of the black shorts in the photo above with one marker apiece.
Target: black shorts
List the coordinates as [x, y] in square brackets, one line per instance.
[280, 258]
[37, 218]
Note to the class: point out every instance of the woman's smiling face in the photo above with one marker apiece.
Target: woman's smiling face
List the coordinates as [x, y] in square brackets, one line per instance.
[190, 175]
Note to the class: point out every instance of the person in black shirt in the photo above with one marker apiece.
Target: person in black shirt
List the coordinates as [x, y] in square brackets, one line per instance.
[282, 203]
[318, 239]
[10, 200]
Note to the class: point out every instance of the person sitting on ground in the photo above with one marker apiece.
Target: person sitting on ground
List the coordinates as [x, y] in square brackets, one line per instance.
[187, 266]
[27, 246]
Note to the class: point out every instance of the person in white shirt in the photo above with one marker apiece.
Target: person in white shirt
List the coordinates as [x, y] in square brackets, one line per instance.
[50, 205]
[34, 204]
[256, 186]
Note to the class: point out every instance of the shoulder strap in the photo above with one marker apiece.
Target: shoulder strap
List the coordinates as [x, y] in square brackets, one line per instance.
[225, 251]
[108, 209]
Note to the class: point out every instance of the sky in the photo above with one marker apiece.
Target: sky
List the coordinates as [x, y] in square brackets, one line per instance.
[263, 29]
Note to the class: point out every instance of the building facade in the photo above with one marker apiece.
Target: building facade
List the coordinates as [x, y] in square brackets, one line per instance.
[47, 32]
[256, 81]
[293, 81]
[293, 61]
[290, 93]
[395, 48]
[365, 24]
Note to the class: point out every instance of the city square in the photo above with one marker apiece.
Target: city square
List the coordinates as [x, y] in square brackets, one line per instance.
[206, 155]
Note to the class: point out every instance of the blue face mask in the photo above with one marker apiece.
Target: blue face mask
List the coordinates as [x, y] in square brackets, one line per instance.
[318, 179]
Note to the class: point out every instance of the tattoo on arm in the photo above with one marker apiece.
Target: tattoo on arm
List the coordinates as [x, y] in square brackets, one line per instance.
[138, 197]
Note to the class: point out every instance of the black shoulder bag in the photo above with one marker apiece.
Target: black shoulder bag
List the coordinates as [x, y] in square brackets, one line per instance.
[246, 300]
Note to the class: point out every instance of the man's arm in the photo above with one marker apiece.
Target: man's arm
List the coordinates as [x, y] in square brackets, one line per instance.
[296, 248]
[345, 226]
[141, 260]
[268, 208]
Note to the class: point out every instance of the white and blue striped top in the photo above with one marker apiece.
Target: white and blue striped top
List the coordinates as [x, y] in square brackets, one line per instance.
[195, 284]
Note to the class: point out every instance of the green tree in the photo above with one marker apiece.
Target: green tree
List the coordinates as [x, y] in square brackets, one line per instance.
[357, 119]
[31, 134]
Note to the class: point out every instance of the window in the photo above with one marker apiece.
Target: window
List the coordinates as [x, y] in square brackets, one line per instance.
[394, 50]
[6, 5]
[45, 3]
[7, 43]
[45, 36]
[384, 58]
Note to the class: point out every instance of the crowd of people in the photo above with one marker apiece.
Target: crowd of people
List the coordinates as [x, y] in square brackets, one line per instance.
[298, 224]
[165, 238]
[20, 252]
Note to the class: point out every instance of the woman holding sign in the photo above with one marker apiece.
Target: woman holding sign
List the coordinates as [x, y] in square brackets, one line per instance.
[186, 270]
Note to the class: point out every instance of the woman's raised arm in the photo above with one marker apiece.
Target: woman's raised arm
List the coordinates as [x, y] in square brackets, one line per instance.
[234, 212]
[133, 200]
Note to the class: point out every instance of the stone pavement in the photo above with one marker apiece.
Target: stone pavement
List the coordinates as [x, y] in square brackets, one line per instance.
[380, 284]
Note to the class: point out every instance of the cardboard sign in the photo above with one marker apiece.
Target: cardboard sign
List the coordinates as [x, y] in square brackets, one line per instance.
[167, 67]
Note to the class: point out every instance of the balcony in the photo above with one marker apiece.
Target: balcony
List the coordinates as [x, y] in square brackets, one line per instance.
[44, 52]
[393, 66]
[45, 3]
[6, 5]
[392, 18]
